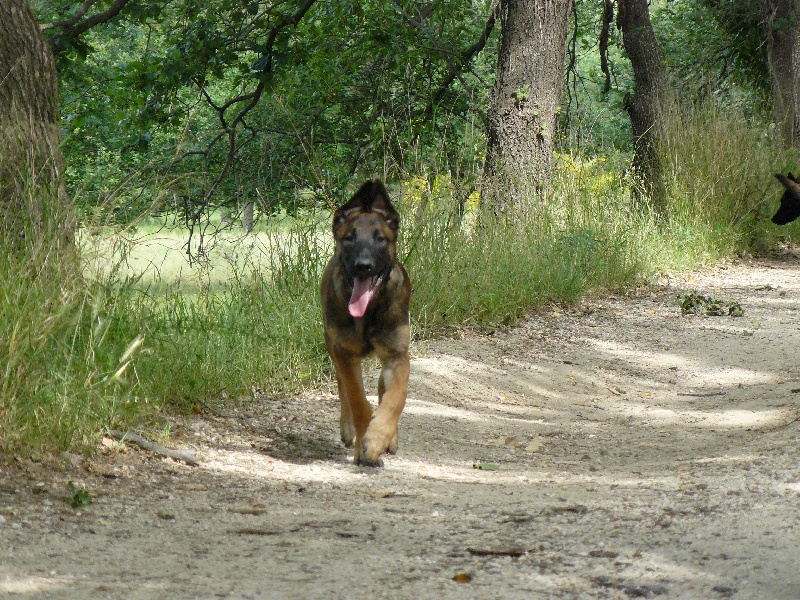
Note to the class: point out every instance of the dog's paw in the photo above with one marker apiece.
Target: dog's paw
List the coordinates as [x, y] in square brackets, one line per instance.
[369, 455]
[348, 434]
[393, 445]
[365, 461]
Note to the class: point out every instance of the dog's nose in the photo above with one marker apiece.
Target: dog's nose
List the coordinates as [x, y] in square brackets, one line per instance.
[363, 265]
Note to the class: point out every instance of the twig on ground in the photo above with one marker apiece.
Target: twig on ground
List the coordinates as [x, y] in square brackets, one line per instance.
[215, 412]
[187, 457]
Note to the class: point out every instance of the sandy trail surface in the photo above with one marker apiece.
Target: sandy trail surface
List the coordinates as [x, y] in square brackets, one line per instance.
[616, 450]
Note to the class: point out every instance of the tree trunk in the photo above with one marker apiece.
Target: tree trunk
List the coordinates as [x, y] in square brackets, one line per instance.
[525, 102]
[648, 103]
[783, 55]
[32, 187]
[248, 217]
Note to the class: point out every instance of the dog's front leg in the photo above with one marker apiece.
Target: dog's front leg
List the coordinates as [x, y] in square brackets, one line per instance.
[382, 431]
[347, 429]
[393, 445]
[356, 411]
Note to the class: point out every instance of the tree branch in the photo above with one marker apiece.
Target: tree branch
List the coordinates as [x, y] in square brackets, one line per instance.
[70, 29]
[69, 22]
[229, 127]
[457, 68]
[608, 17]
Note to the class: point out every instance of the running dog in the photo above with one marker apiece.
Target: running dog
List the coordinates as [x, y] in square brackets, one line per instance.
[365, 295]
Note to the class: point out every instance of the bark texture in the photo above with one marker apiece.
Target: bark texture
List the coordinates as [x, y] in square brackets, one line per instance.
[31, 164]
[783, 54]
[525, 101]
[647, 105]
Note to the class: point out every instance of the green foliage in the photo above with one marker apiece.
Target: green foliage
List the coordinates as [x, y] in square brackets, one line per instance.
[78, 498]
[708, 305]
[715, 50]
[63, 347]
[112, 350]
[594, 122]
[351, 90]
[164, 91]
[260, 329]
[719, 165]
[479, 270]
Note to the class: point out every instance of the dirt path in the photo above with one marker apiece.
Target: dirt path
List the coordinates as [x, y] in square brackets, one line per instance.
[627, 451]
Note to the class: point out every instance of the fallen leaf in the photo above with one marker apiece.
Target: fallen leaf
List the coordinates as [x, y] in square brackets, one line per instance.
[486, 466]
[534, 445]
[383, 494]
[462, 578]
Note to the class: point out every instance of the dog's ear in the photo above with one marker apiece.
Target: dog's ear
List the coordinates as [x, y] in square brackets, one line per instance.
[382, 204]
[789, 182]
[790, 176]
[370, 197]
[361, 200]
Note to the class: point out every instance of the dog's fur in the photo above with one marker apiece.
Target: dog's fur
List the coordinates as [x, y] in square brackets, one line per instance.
[365, 295]
[790, 201]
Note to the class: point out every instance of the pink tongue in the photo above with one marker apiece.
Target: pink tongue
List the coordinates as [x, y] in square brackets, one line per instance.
[363, 289]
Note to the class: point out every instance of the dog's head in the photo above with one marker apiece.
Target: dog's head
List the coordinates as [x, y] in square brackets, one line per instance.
[790, 201]
[365, 230]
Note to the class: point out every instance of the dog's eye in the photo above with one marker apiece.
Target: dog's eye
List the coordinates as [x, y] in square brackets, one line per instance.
[378, 237]
[350, 237]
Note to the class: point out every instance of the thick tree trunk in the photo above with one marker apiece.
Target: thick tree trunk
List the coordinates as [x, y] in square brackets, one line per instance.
[31, 164]
[525, 102]
[648, 104]
[781, 19]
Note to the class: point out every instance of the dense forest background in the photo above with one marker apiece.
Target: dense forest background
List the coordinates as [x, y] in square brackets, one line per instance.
[211, 105]
[233, 128]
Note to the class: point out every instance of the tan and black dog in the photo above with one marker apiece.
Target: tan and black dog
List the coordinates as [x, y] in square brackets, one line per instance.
[365, 294]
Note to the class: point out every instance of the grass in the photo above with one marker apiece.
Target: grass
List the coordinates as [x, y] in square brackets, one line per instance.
[137, 332]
